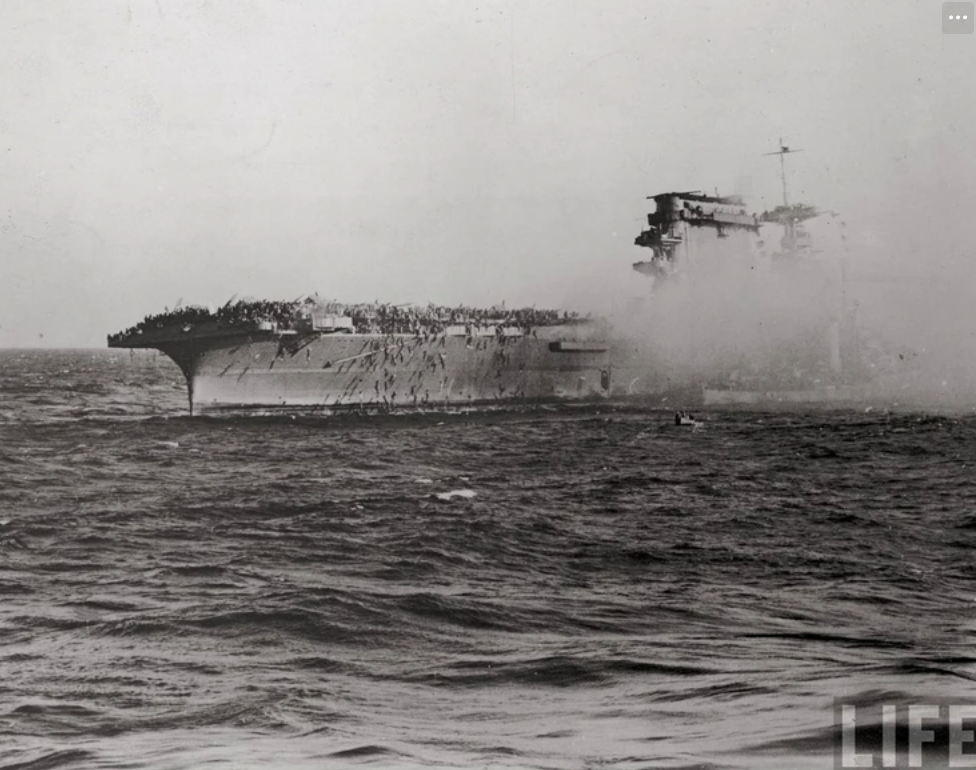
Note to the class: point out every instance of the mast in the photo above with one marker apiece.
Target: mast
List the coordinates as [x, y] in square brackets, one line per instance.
[786, 215]
[782, 152]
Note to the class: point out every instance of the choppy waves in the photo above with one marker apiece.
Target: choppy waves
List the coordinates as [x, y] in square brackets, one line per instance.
[610, 591]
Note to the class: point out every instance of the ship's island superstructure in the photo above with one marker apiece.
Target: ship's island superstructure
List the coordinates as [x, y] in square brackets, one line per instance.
[687, 226]
[689, 230]
[314, 355]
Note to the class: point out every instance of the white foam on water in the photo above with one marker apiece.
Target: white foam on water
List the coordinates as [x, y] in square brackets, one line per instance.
[465, 494]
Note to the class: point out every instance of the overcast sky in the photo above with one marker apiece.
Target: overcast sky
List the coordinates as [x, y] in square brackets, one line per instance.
[448, 151]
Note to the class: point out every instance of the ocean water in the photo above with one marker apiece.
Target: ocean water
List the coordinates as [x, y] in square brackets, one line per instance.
[604, 590]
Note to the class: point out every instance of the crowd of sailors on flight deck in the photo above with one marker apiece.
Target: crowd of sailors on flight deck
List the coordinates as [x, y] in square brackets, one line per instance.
[367, 318]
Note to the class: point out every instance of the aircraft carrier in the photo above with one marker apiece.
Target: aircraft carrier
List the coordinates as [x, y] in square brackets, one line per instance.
[259, 356]
[311, 354]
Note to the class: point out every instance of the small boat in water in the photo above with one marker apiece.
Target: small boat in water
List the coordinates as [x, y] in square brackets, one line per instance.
[684, 419]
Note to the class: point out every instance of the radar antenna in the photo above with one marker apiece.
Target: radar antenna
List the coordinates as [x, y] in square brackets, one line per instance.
[782, 152]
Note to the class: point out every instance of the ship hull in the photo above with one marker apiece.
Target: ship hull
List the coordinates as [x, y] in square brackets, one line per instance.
[368, 372]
